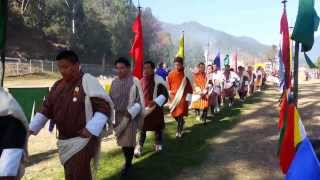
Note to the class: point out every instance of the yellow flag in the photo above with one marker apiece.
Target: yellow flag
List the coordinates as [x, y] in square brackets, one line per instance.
[181, 47]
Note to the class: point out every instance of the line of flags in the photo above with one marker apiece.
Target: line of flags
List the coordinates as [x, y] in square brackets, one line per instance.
[216, 60]
[297, 158]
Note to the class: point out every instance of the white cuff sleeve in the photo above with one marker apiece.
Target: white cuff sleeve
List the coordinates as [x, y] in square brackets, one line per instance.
[160, 100]
[38, 122]
[134, 110]
[97, 123]
[10, 162]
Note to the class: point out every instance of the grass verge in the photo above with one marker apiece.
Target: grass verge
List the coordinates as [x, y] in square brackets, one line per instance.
[178, 154]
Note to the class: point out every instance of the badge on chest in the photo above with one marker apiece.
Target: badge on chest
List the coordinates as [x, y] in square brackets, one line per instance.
[76, 94]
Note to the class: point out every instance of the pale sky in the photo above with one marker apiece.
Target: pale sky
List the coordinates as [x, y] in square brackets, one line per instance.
[259, 19]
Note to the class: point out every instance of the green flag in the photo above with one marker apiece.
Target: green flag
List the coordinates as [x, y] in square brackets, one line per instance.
[309, 62]
[226, 60]
[30, 99]
[307, 23]
[3, 22]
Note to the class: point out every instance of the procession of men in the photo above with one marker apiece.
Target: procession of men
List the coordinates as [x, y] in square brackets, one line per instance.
[83, 113]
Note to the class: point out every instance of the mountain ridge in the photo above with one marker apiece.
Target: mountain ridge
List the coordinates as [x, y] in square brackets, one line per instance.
[196, 32]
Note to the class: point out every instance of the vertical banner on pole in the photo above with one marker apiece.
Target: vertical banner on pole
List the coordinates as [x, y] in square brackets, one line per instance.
[307, 23]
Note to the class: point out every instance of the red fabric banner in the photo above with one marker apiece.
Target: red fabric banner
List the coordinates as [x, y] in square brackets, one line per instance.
[136, 51]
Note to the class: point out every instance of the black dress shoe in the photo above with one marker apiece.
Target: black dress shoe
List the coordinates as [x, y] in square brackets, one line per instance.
[125, 172]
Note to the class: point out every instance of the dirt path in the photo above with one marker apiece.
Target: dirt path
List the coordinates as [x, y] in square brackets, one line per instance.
[248, 151]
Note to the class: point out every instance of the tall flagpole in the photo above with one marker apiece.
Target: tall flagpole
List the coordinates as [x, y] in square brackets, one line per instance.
[3, 56]
[296, 73]
[207, 58]
[139, 7]
[3, 59]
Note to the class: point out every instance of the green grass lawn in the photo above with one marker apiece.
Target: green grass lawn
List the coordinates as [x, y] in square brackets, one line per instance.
[188, 152]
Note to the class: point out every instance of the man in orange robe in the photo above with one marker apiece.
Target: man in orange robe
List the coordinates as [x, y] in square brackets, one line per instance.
[179, 88]
[201, 90]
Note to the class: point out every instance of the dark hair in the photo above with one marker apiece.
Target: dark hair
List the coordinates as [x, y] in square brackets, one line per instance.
[153, 66]
[123, 60]
[160, 65]
[201, 63]
[68, 55]
[178, 60]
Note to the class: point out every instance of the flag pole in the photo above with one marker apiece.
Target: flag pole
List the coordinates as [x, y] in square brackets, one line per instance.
[207, 58]
[296, 73]
[3, 56]
[139, 7]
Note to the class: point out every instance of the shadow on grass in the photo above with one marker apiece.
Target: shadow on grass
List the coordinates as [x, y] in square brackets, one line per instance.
[178, 154]
[36, 158]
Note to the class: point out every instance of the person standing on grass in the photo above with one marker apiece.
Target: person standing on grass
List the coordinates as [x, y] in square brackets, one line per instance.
[127, 95]
[243, 84]
[252, 77]
[13, 137]
[211, 94]
[155, 96]
[80, 108]
[179, 88]
[217, 79]
[229, 85]
[200, 88]
[259, 79]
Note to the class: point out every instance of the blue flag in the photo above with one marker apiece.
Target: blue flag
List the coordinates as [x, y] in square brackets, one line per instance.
[305, 165]
[217, 61]
[281, 71]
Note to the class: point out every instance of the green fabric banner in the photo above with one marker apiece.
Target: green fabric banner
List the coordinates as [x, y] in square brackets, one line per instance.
[226, 60]
[309, 62]
[3, 17]
[30, 99]
[307, 23]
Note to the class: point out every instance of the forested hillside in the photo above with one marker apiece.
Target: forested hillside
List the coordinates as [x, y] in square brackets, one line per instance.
[102, 29]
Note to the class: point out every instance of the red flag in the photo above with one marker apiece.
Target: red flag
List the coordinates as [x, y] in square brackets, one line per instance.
[283, 107]
[287, 148]
[284, 30]
[136, 51]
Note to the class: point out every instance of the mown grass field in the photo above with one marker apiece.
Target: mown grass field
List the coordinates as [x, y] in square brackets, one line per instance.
[190, 151]
[178, 154]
